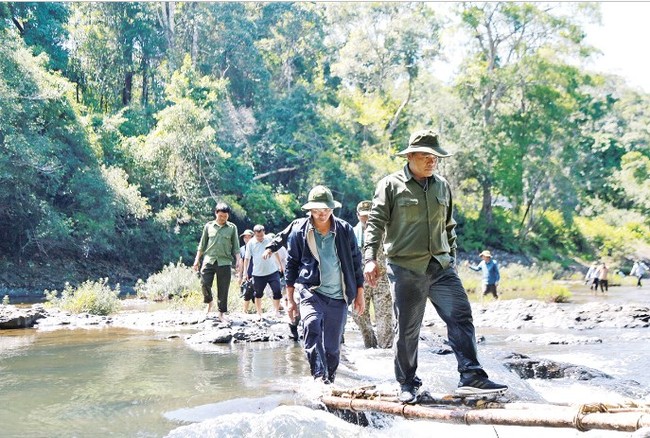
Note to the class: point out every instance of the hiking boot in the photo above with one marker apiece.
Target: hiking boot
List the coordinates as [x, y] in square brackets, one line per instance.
[407, 393]
[477, 384]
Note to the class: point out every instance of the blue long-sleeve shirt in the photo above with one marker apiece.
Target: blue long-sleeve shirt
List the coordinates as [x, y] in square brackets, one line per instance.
[490, 271]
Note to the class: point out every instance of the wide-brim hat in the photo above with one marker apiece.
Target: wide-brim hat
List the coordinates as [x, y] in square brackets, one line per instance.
[247, 233]
[486, 253]
[320, 197]
[425, 141]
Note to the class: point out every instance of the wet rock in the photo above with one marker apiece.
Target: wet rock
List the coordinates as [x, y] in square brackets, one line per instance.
[523, 314]
[12, 317]
[436, 343]
[219, 336]
[554, 339]
[528, 368]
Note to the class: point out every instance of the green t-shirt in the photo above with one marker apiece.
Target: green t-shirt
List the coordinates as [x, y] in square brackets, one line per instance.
[331, 277]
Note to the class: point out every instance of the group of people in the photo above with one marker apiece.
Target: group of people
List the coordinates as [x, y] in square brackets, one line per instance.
[257, 273]
[404, 246]
[597, 276]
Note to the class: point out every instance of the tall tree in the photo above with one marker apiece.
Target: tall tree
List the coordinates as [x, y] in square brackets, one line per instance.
[505, 39]
[382, 47]
[42, 27]
[121, 40]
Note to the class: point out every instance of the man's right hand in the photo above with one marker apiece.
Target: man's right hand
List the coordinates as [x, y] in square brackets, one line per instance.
[371, 272]
[196, 267]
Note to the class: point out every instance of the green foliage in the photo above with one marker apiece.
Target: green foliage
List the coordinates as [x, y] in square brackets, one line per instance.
[613, 239]
[556, 293]
[158, 110]
[42, 27]
[174, 281]
[634, 180]
[94, 297]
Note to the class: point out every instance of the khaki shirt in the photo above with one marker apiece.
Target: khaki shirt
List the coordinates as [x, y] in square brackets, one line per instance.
[419, 225]
[218, 244]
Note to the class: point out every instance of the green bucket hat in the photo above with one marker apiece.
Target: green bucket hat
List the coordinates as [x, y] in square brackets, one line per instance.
[425, 141]
[364, 207]
[320, 197]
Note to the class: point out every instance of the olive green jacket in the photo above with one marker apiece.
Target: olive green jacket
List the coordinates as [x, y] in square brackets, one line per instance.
[219, 245]
[417, 224]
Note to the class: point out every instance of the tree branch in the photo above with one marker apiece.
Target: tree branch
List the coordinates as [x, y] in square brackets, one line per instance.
[273, 172]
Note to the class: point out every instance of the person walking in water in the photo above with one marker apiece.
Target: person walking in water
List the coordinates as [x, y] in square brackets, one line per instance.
[603, 270]
[324, 269]
[378, 295]
[490, 271]
[265, 271]
[412, 216]
[591, 276]
[219, 248]
[638, 269]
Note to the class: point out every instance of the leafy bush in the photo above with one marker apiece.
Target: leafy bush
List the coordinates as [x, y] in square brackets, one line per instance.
[192, 300]
[174, 281]
[555, 293]
[94, 297]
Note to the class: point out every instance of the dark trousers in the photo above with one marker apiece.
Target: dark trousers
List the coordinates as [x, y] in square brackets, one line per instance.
[604, 285]
[323, 320]
[490, 289]
[223, 273]
[444, 289]
[273, 280]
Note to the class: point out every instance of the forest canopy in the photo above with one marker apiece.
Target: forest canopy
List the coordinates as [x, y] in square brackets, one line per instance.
[122, 124]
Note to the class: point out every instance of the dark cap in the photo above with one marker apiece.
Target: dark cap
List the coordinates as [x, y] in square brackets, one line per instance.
[425, 141]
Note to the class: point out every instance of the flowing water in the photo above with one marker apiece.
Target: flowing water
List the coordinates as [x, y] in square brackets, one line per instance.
[117, 382]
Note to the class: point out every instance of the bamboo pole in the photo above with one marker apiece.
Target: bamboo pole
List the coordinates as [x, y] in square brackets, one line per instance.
[582, 418]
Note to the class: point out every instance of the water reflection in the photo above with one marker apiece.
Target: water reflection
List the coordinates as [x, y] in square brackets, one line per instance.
[120, 382]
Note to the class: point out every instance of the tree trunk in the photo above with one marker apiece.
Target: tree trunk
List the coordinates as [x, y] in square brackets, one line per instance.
[585, 417]
[127, 91]
[166, 20]
[127, 59]
[195, 43]
[144, 99]
[486, 207]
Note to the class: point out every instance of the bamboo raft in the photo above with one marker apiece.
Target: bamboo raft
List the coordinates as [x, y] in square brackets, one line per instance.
[494, 410]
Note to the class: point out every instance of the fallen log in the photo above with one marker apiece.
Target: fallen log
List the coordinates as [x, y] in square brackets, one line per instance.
[583, 417]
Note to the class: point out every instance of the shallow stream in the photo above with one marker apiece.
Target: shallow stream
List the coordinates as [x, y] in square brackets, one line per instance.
[117, 382]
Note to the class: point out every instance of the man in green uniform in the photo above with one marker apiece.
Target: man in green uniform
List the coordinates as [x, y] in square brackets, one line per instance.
[412, 213]
[378, 295]
[219, 247]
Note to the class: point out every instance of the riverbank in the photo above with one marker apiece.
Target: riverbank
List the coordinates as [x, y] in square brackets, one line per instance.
[513, 314]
